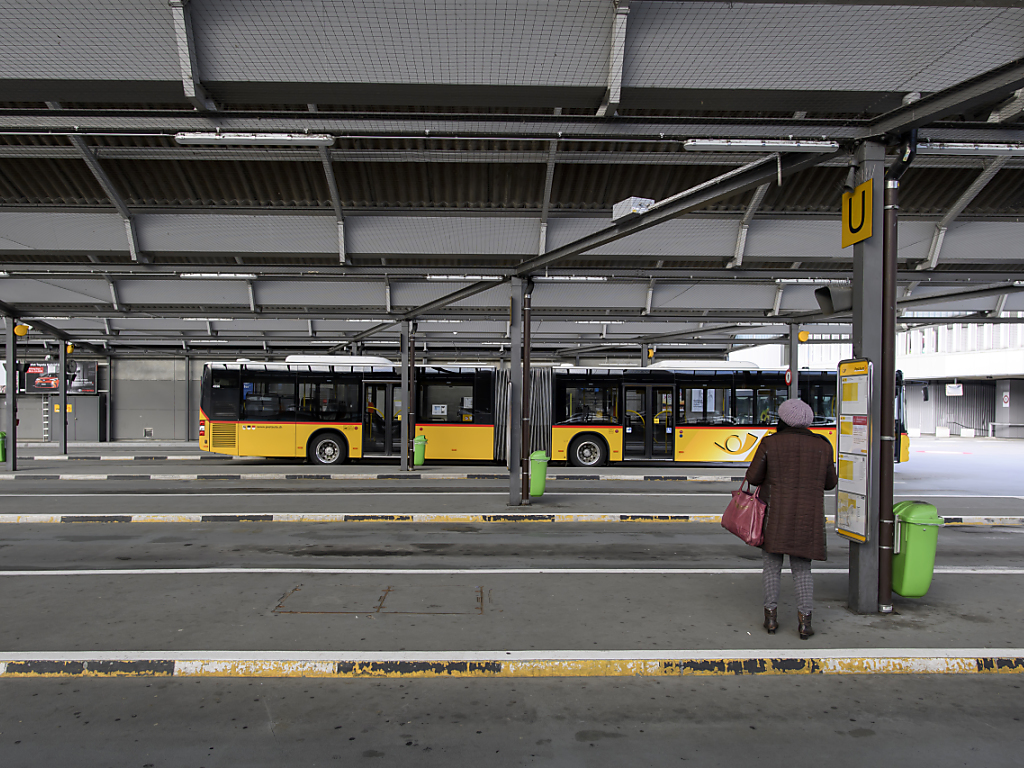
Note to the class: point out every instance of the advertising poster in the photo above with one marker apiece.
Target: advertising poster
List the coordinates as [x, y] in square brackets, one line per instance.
[43, 378]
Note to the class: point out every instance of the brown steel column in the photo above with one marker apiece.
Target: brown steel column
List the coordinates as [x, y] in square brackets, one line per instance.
[410, 410]
[887, 417]
[526, 394]
[11, 403]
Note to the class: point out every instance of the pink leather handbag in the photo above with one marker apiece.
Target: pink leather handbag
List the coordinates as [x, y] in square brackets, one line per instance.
[744, 516]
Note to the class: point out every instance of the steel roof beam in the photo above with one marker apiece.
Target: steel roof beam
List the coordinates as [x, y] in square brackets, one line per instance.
[467, 156]
[332, 185]
[187, 59]
[961, 98]
[739, 180]
[567, 128]
[85, 153]
[444, 301]
[617, 50]
[750, 274]
[748, 215]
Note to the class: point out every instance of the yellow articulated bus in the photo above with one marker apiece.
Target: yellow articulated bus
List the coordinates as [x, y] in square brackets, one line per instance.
[331, 409]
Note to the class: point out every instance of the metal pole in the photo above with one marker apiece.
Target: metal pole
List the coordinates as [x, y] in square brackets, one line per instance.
[11, 404]
[887, 392]
[411, 408]
[887, 395]
[188, 399]
[110, 396]
[526, 443]
[515, 445]
[867, 338]
[63, 398]
[794, 360]
[405, 396]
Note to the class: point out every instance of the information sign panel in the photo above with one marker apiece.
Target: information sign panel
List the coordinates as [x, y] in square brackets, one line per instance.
[854, 449]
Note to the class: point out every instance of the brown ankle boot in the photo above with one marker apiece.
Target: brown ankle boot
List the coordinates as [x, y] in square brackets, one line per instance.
[804, 629]
[771, 620]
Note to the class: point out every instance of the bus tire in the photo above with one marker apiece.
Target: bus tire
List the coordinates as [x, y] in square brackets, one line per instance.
[588, 451]
[328, 448]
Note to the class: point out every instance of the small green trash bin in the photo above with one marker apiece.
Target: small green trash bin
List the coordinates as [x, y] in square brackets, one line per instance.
[538, 472]
[917, 535]
[3, 446]
[419, 451]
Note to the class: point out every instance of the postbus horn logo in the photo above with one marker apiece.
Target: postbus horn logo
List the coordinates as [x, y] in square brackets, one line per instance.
[733, 443]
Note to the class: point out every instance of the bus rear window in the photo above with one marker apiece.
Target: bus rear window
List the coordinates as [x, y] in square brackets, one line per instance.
[220, 395]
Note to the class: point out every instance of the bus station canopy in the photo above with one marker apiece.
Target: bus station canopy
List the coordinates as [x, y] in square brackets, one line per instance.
[216, 178]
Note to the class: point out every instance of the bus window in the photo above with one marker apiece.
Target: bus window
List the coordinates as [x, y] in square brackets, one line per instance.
[765, 410]
[220, 394]
[327, 398]
[590, 405]
[450, 402]
[691, 405]
[745, 406]
[483, 396]
[719, 407]
[268, 396]
[822, 403]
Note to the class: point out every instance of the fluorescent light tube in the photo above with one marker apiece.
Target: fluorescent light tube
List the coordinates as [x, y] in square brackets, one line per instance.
[758, 145]
[216, 276]
[968, 148]
[257, 139]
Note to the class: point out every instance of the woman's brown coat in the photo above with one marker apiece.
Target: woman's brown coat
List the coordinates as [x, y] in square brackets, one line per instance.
[794, 467]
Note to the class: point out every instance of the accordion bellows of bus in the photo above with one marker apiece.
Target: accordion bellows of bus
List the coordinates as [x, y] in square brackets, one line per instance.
[332, 408]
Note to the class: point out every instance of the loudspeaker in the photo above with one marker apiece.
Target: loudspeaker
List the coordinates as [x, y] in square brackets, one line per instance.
[832, 300]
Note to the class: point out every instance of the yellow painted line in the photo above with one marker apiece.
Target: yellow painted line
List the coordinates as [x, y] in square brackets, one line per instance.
[604, 664]
[173, 518]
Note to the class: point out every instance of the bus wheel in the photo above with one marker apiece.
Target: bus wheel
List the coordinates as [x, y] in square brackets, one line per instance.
[328, 449]
[588, 451]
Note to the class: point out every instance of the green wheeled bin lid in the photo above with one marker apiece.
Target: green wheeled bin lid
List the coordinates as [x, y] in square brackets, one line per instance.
[920, 512]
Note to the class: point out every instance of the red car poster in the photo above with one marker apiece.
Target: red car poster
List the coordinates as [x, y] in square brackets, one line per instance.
[43, 378]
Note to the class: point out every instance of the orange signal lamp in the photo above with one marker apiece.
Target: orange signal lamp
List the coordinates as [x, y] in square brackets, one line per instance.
[70, 348]
[21, 330]
[803, 335]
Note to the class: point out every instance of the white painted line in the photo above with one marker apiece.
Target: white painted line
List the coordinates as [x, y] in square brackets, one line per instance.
[243, 493]
[549, 655]
[948, 570]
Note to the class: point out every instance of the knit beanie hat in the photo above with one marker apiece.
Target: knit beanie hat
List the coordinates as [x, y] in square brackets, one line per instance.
[796, 413]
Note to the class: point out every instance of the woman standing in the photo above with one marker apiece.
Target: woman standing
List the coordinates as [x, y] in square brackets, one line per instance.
[794, 466]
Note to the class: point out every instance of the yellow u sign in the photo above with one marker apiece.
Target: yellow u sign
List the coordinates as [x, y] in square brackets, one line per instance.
[857, 214]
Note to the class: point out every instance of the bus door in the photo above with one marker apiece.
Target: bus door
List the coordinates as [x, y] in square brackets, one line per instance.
[648, 423]
[382, 418]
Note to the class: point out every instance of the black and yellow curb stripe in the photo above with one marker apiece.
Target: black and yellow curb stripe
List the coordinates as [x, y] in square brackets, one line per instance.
[597, 667]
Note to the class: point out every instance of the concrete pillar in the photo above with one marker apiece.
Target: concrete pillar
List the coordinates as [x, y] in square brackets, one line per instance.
[11, 404]
[794, 360]
[515, 443]
[867, 343]
[406, 396]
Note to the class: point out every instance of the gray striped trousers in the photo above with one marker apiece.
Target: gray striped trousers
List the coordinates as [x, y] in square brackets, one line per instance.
[771, 575]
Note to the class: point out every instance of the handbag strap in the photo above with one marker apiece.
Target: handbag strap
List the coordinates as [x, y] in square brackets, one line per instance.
[754, 493]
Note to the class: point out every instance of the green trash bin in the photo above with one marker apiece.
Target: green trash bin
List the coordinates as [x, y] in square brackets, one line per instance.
[3, 446]
[419, 451]
[538, 472]
[917, 535]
